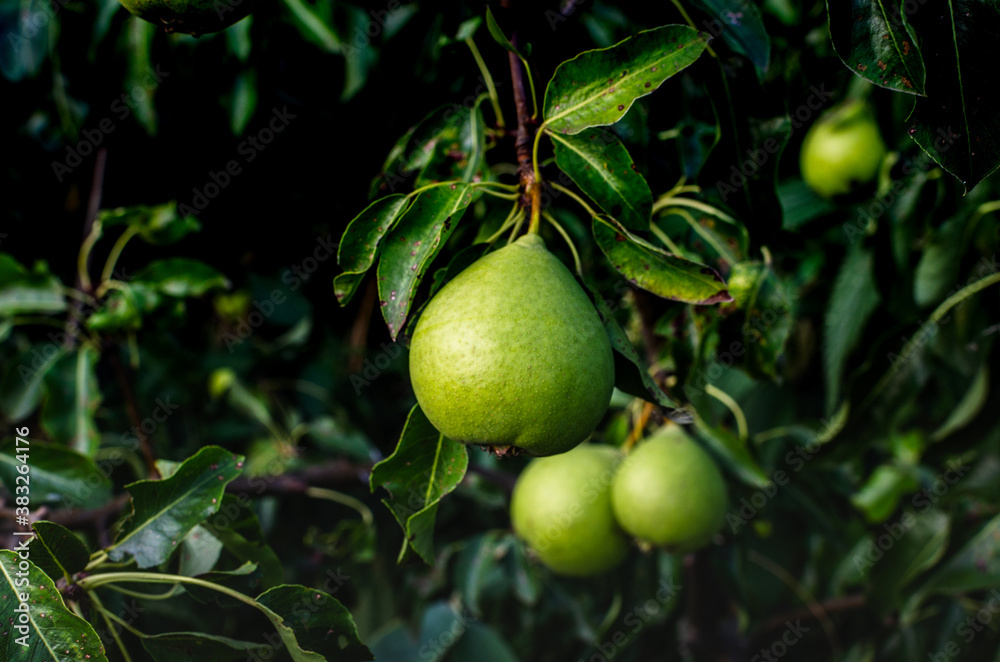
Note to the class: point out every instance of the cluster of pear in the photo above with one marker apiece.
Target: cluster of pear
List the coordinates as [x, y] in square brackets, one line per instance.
[578, 510]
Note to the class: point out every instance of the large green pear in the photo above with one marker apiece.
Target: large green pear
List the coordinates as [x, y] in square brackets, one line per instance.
[191, 16]
[669, 493]
[561, 507]
[512, 353]
[843, 148]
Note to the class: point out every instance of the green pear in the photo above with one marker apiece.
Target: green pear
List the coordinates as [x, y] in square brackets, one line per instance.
[842, 148]
[190, 16]
[669, 493]
[512, 354]
[561, 507]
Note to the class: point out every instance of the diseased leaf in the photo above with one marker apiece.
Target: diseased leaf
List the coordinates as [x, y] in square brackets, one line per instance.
[852, 302]
[742, 28]
[360, 244]
[165, 511]
[314, 626]
[200, 550]
[598, 87]
[956, 124]
[665, 275]
[413, 244]
[35, 615]
[425, 466]
[600, 165]
[769, 316]
[56, 551]
[459, 147]
[871, 38]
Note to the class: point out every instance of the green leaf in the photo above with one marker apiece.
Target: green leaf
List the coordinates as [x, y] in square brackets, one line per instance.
[238, 529]
[974, 567]
[734, 452]
[971, 404]
[880, 495]
[501, 38]
[413, 244]
[937, 271]
[21, 384]
[124, 308]
[467, 29]
[314, 626]
[243, 101]
[768, 309]
[56, 551]
[853, 300]
[59, 476]
[459, 147]
[245, 579]
[72, 398]
[424, 467]
[181, 277]
[742, 28]
[36, 612]
[481, 643]
[159, 225]
[873, 42]
[138, 38]
[199, 647]
[315, 23]
[914, 552]
[599, 164]
[665, 275]
[956, 124]
[598, 87]
[165, 511]
[631, 373]
[360, 243]
[22, 291]
[200, 550]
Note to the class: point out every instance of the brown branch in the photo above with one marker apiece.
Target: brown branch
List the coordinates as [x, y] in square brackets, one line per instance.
[524, 136]
[359, 330]
[295, 482]
[133, 414]
[830, 606]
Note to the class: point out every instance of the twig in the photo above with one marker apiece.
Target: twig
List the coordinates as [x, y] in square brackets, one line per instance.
[524, 140]
[133, 414]
[830, 606]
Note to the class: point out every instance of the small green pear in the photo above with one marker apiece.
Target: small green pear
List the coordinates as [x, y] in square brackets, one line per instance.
[512, 354]
[842, 148]
[190, 16]
[669, 493]
[561, 508]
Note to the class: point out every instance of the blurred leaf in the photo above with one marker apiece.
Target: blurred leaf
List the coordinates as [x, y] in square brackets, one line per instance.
[413, 244]
[761, 294]
[140, 83]
[313, 625]
[458, 149]
[25, 29]
[468, 28]
[872, 41]
[481, 643]
[181, 277]
[238, 38]
[72, 398]
[22, 291]
[359, 59]
[971, 404]
[917, 547]
[424, 468]
[164, 511]
[158, 224]
[440, 628]
[21, 384]
[956, 123]
[500, 37]
[599, 164]
[742, 28]
[735, 453]
[974, 567]
[244, 100]
[123, 308]
[199, 552]
[631, 373]
[246, 579]
[315, 23]
[597, 87]
[56, 551]
[879, 497]
[50, 625]
[937, 271]
[665, 275]
[853, 300]
[59, 476]
[198, 647]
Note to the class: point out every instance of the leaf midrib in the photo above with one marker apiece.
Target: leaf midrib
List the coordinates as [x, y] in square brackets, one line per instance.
[31, 617]
[596, 165]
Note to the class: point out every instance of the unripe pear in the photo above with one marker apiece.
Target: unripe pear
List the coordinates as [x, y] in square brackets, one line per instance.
[669, 493]
[842, 148]
[512, 353]
[190, 16]
[561, 507]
